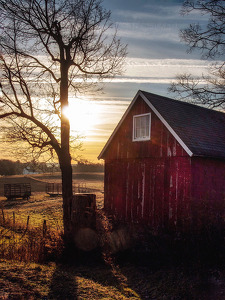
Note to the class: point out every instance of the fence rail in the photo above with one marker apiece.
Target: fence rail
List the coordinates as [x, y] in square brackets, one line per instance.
[55, 189]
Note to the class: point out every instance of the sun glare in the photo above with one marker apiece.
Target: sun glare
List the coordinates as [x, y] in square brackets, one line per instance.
[83, 115]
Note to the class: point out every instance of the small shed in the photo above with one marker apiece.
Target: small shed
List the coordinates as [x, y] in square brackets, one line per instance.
[165, 164]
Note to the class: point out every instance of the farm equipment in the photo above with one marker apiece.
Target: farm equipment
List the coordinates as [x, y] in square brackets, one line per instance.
[55, 189]
[17, 190]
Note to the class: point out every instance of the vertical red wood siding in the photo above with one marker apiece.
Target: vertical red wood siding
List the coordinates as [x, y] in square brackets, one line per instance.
[150, 191]
[208, 191]
[208, 178]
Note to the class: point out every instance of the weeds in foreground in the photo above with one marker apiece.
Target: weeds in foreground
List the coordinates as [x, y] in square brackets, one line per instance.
[156, 268]
[22, 241]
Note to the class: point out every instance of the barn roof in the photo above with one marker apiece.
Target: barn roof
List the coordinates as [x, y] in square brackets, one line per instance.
[200, 131]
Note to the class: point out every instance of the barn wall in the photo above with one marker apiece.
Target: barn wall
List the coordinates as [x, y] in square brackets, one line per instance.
[156, 182]
[162, 143]
[149, 181]
[178, 192]
[208, 191]
[153, 191]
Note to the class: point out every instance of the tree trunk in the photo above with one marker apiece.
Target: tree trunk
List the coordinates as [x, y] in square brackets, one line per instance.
[67, 194]
[65, 158]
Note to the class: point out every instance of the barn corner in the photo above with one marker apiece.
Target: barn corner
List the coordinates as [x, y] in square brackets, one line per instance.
[165, 165]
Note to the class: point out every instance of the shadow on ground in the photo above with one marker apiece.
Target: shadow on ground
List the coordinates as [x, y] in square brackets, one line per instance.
[63, 284]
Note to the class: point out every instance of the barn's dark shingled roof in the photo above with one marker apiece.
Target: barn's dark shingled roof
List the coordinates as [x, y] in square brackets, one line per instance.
[202, 130]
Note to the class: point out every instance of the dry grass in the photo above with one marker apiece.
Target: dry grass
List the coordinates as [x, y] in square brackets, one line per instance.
[58, 281]
[24, 241]
[42, 206]
[131, 276]
[96, 281]
[22, 236]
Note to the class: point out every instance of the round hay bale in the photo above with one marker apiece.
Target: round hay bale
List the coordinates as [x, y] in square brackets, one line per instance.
[86, 239]
[119, 240]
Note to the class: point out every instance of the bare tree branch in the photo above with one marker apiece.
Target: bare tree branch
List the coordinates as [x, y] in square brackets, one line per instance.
[46, 47]
[210, 40]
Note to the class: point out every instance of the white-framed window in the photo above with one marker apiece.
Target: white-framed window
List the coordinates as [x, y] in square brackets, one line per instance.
[141, 127]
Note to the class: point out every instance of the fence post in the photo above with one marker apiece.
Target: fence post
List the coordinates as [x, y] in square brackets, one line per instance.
[3, 216]
[14, 220]
[28, 218]
[44, 228]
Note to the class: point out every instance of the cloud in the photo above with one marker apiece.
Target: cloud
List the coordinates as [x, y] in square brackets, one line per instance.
[149, 31]
[140, 70]
[152, 28]
[151, 14]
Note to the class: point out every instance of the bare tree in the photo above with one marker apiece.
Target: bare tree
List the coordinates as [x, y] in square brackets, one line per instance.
[210, 40]
[50, 49]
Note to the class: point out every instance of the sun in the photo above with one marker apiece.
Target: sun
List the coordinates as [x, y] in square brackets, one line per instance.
[82, 114]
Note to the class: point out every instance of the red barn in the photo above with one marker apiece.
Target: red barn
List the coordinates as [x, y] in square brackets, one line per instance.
[165, 164]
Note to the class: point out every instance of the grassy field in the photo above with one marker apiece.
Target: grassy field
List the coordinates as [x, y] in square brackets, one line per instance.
[59, 281]
[41, 206]
[38, 182]
[130, 275]
[98, 281]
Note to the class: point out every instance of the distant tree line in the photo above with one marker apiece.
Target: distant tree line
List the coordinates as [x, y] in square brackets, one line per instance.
[9, 167]
[88, 167]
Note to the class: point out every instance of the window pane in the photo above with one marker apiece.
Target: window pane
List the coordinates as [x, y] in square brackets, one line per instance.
[141, 127]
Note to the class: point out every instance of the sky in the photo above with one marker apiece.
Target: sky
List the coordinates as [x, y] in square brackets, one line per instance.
[155, 56]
